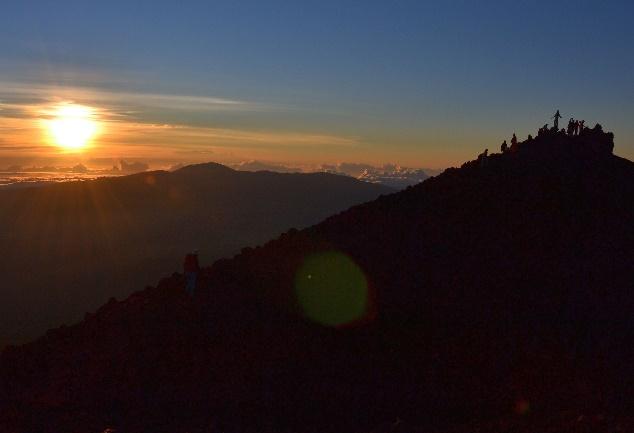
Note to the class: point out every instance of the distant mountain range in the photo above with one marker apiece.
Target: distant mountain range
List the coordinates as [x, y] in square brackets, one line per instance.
[494, 297]
[391, 175]
[68, 247]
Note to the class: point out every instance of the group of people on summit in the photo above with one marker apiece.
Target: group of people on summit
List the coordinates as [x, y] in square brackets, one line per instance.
[575, 127]
[505, 147]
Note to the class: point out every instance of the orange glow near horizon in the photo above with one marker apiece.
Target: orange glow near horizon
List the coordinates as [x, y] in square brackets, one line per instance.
[71, 123]
[72, 126]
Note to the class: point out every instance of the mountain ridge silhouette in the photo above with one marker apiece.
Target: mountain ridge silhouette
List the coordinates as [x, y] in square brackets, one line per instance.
[107, 237]
[501, 290]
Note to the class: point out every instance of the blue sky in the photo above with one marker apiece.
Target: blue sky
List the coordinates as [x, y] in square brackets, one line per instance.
[413, 82]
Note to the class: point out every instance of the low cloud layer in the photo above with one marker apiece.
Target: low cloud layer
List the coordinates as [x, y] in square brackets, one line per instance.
[254, 165]
[391, 175]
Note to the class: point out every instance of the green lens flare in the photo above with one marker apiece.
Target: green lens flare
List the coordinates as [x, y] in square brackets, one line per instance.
[331, 289]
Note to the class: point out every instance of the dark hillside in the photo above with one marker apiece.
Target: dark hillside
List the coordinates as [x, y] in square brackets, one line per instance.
[67, 248]
[496, 297]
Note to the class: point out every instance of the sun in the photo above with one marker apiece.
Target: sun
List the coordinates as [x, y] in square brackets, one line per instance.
[72, 126]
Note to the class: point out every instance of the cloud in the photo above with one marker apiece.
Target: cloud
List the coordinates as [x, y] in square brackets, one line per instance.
[20, 94]
[392, 175]
[201, 141]
[353, 169]
[181, 102]
[132, 167]
[254, 165]
[125, 117]
[21, 148]
[251, 137]
[78, 168]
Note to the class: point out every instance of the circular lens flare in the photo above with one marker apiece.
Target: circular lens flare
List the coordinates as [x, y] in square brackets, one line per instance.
[332, 289]
[72, 126]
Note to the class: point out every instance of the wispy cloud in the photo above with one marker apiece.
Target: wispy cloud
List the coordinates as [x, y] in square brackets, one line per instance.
[211, 135]
[127, 127]
[14, 94]
[201, 140]
[21, 148]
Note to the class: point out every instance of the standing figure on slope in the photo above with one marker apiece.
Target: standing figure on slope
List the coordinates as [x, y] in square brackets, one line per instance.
[571, 127]
[513, 143]
[191, 268]
[557, 116]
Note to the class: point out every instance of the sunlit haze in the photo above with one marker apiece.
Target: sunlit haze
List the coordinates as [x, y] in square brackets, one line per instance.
[72, 126]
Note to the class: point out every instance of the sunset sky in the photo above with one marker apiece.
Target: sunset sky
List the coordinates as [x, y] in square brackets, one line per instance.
[421, 84]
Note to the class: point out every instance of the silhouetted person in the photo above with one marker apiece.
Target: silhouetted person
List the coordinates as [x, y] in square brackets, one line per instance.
[571, 126]
[557, 116]
[514, 146]
[191, 268]
[504, 147]
[483, 157]
[581, 126]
